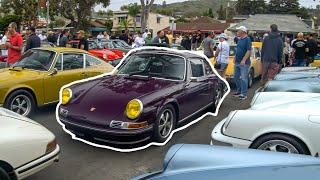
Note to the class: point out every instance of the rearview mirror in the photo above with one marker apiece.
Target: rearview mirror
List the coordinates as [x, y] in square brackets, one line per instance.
[53, 72]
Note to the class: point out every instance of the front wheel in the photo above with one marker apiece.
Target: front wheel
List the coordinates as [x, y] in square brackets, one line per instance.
[21, 102]
[250, 78]
[4, 175]
[280, 143]
[165, 123]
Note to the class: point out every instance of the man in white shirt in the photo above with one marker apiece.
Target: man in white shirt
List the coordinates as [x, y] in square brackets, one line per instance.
[42, 36]
[139, 40]
[145, 34]
[100, 36]
[222, 55]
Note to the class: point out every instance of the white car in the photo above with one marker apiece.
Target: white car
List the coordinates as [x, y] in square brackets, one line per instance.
[277, 121]
[26, 147]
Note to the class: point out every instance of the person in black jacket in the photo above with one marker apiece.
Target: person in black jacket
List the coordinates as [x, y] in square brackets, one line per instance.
[186, 42]
[33, 40]
[271, 54]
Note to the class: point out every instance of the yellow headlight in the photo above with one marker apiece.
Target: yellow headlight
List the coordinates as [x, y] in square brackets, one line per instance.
[134, 109]
[66, 96]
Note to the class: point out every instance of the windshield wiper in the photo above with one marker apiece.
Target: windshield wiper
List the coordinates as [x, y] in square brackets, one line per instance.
[13, 68]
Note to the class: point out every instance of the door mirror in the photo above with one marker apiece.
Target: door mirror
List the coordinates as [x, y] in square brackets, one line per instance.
[193, 79]
[53, 72]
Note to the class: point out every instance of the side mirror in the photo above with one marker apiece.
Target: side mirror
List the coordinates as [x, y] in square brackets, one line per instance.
[193, 79]
[53, 72]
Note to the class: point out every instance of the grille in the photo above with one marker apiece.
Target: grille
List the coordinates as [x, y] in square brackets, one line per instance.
[116, 124]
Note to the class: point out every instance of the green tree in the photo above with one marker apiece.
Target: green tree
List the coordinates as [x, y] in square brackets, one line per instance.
[258, 7]
[283, 6]
[109, 24]
[125, 24]
[6, 20]
[221, 13]
[243, 7]
[133, 11]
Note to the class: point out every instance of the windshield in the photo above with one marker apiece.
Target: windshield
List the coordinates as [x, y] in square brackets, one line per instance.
[36, 59]
[120, 44]
[155, 65]
[95, 45]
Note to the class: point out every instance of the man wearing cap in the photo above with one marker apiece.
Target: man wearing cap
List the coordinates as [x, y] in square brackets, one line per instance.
[242, 63]
[271, 54]
[222, 54]
[83, 44]
[208, 45]
[33, 40]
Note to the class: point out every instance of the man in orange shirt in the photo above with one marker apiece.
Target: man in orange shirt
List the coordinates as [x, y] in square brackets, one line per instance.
[14, 44]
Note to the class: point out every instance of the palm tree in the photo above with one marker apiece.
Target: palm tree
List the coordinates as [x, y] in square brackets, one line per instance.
[125, 23]
[133, 11]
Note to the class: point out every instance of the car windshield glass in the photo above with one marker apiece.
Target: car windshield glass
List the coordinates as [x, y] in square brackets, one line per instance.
[95, 45]
[120, 44]
[155, 65]
[36, 59]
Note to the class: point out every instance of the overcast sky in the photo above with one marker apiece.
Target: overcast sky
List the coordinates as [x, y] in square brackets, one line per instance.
[116, 4]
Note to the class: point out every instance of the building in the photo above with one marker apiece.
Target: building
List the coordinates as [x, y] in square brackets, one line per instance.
[156, 22]
[204, 24]
[287, 24]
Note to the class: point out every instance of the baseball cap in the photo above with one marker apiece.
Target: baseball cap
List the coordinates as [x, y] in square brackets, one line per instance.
[223, 35]
[149, 33]
[80, 32]
[242, 28]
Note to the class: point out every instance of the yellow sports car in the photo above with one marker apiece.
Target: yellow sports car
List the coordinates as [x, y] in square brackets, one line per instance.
[316, 62]
[36, 79]
[255, 68]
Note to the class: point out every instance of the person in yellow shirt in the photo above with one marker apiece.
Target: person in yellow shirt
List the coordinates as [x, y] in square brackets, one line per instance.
[170, 37]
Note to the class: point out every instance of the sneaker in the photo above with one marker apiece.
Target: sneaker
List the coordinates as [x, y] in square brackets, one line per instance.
[242, 97]
[236, 94]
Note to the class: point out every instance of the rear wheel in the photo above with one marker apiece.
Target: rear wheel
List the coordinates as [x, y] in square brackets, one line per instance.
[21, 102]
[4, 175]
[280, 143]
[217, 97]
[165, 123]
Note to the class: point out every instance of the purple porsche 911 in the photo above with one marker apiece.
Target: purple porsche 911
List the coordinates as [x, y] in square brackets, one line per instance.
[151, 94]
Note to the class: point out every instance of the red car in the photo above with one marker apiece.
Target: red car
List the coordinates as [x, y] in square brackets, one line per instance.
[100, 52]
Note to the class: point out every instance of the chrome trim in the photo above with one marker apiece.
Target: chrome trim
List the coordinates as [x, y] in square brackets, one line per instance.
[196, 112]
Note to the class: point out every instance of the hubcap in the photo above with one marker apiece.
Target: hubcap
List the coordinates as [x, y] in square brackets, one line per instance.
[166, 123]
[278, 146]
[217, 98]
[21, 104]
[250, 79]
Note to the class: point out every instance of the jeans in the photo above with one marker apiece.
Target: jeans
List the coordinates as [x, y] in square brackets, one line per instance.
[299, 62]
[241, 77]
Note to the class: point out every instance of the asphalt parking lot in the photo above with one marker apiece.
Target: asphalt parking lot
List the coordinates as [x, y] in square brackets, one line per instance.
[79, 161]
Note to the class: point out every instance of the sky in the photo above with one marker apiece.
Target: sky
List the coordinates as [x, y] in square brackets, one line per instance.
[116, 4]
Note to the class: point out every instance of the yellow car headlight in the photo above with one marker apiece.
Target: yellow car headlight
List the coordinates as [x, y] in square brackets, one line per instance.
[66, 96]
[134, 109]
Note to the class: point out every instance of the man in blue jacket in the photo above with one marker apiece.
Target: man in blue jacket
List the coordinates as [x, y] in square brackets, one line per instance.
[271, 54]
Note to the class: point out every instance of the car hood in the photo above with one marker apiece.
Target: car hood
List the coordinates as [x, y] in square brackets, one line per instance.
[296, 76]
[18, 75]
[282, 97]
[7, 113]
[214, 162]
[110, 95]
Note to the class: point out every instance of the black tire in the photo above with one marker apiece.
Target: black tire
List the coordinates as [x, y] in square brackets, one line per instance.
[250, 78]
[157, 136]
[264, 140]
[22, 94]
[4, 175]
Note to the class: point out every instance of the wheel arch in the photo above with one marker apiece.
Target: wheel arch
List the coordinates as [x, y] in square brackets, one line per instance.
[175, 105]
[297, 138]
[28, 89]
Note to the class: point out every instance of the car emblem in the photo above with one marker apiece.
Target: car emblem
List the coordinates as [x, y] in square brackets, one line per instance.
[92, 109]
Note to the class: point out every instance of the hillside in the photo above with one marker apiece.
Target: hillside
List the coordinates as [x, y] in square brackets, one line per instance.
[193, 7]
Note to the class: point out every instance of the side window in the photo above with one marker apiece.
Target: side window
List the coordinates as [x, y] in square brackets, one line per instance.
[252, 52]
[258, 52]
[58, 65]
[196, 67]
[207, 68]
[92, 61]
[72, 61]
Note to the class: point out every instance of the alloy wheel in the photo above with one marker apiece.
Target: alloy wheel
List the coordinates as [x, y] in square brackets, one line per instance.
[166, 123]
[21, 104]
[279, 146]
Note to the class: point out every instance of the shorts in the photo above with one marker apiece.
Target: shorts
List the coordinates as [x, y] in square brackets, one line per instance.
[269, 70]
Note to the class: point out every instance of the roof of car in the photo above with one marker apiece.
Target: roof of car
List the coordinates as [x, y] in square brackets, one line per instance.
[185, 54]
[62, 49]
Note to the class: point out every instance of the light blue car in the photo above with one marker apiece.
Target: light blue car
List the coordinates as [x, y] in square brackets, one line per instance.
[201, 162]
